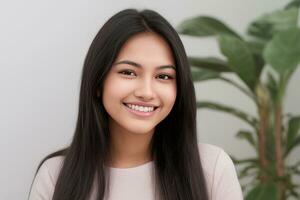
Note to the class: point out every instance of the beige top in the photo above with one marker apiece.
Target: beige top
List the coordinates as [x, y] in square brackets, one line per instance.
[136, 183]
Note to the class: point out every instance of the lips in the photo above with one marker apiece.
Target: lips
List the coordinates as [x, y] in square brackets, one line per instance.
[139, 114]
[138, 103]
[155, 107]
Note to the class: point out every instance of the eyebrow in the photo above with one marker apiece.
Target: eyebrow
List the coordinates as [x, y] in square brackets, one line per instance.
[134, 64]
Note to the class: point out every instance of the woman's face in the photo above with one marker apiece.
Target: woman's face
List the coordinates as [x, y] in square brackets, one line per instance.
[142, 74]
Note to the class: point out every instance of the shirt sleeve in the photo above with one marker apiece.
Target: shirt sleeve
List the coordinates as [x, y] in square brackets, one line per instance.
[225, 181]
[42, 186]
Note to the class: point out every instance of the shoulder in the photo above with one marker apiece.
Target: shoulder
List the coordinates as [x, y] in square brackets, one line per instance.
[44, 182]
[213, 158]
[211, 155]
[220, 173]
[52, 166]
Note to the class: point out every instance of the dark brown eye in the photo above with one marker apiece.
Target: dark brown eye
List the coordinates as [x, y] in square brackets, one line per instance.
[127, 72]
[165, 76]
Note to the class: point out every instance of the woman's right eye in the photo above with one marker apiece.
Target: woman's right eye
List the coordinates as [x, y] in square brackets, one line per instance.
[127, 72]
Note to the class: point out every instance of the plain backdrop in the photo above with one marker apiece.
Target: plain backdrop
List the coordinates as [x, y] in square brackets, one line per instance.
[43, 44]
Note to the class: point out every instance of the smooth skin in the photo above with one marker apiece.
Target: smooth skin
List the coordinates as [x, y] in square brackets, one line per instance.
[130, 134]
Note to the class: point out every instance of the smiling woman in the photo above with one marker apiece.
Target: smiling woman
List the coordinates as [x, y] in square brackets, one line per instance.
[143, 89]
[136, 135]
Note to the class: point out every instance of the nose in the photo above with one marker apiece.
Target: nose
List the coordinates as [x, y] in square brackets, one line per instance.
[144, 90]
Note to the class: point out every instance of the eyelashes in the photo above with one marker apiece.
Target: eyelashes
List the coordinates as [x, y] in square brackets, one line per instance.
[126, 72]
[132, 73]
[167, 76]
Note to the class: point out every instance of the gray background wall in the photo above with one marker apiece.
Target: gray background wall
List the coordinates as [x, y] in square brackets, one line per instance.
[43, 46]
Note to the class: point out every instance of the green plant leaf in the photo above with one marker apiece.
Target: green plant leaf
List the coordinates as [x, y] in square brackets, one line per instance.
[249, 170]
[266, 26]
[210, 63]
[292, 133]
[244, 161]
[210, 68]
[240, 59]
[204, 26]
[248, 167]
[295, 143]
[272, 85]
[227, 109]
[239, 87]
[295, 193]
[283, 51]
[203, 74]
[259, 64]
[248, 136]
[293, 4]
[263, 192]
[256, 46]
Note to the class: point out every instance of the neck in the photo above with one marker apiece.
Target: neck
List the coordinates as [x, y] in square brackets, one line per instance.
[129, 149]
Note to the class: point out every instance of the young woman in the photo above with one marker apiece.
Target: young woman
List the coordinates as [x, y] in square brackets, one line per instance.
[135, 137]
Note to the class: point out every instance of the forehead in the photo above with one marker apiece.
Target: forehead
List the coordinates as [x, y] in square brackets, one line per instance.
[148, 49]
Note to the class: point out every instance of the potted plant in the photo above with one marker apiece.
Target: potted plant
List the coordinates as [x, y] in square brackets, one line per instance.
[271, 47]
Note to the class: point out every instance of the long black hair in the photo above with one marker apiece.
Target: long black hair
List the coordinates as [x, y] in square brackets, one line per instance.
[178, 170]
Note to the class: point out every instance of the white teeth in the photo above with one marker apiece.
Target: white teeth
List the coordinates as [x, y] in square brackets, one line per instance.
[140, 108]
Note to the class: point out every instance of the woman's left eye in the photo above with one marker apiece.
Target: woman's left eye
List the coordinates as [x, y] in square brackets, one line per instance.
[165, 76]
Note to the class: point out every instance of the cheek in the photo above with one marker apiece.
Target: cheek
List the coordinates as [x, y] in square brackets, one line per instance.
[168, 95]
[110, 94]
[114, 89]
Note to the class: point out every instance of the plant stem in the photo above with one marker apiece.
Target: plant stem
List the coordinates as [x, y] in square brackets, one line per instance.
[263, 98]
[278, 141]
[262, 141]
[278, 133]
[278, 148]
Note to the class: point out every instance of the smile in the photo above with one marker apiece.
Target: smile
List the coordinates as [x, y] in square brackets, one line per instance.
[142, 111]
[141, 108]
